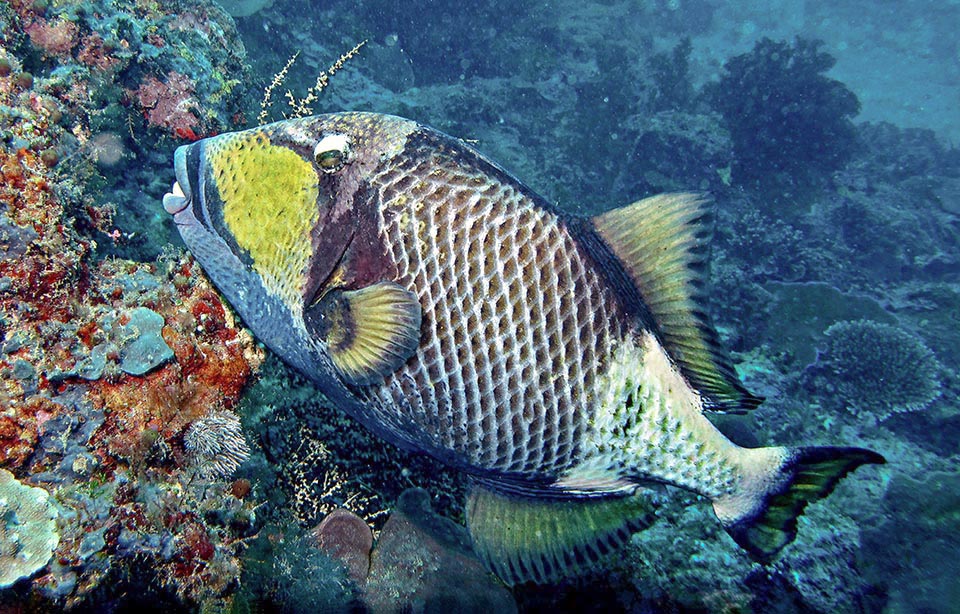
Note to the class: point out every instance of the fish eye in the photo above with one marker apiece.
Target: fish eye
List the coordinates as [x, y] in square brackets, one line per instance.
[331, 152]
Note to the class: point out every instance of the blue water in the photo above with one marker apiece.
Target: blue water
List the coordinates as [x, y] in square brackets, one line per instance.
[826, 134]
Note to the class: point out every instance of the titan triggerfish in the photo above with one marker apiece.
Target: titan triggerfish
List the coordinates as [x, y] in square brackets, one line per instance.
[565, 363]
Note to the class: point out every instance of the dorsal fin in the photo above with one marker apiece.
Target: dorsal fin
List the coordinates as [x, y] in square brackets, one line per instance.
[663, 243]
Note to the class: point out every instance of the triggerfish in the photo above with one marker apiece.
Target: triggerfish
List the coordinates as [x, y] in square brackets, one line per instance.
[565, 363]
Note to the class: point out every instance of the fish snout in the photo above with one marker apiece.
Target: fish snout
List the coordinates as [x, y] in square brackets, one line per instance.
[180, 195]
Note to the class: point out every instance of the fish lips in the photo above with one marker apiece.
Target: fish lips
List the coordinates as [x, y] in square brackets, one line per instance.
[180, 199]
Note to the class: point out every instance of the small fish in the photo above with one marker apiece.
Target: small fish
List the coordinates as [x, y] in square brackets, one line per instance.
[563, 362]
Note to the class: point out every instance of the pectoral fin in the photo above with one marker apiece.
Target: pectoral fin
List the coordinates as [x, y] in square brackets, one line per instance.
[369, 332]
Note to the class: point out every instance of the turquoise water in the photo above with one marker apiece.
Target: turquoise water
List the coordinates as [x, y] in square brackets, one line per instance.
[825, 133]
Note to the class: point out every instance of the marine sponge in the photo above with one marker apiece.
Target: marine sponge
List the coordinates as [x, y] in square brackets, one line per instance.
[879, 369]
[28, 529]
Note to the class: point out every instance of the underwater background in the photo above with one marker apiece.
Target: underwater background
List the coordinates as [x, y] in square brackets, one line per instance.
[153, 457]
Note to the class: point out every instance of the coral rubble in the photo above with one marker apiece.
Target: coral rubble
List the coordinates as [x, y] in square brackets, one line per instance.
[105, 363]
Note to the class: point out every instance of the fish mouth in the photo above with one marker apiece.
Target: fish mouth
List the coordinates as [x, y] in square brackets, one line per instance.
[179, 197]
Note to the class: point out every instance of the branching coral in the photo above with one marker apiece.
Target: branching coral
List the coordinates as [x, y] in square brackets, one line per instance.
[300, 107]
[878, 369]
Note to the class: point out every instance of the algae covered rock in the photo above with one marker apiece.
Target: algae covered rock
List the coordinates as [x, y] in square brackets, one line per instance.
[28, 531]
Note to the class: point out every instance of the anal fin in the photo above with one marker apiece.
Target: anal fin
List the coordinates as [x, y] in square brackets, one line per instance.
[527, 539]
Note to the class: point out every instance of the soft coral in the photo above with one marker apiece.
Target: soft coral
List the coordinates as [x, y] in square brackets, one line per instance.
[790, 124]
[170, 104]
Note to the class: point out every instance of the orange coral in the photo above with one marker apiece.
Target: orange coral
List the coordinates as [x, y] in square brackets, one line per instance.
[55, 255]
[213, 361]
[19, 429]
[170, 104]
[95, 53]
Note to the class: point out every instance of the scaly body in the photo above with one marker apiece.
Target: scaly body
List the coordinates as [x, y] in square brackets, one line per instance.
[562, 361]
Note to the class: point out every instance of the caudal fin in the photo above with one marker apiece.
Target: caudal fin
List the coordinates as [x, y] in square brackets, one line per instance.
[762, 517]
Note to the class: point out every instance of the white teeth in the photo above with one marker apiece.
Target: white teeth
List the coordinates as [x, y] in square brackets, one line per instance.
[175, 200]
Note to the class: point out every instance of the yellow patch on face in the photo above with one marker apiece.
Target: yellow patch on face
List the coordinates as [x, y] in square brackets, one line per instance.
[269, 196]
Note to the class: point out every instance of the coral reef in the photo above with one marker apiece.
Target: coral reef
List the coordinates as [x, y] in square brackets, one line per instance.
[284, 571]
[321, 461]
[789, 123]
[674, 151]
[123, 376]
[811, 308]
[28, 529]
[105, 363]
[171, 104]
[121, 81]
[876, 369]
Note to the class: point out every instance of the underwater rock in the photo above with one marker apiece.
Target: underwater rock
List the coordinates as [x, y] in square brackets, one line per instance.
[423, 563]
[824, 568]
[28, 529]
[346, 537]
[147, 350]
[914, 550]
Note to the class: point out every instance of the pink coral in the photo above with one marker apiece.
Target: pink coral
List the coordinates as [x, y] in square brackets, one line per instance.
[170, 104]
[55, 38]
[95, 53]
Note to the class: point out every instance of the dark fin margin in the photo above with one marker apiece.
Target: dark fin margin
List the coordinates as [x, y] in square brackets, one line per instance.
[525, 539]
[808, 474]
[663, 242]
